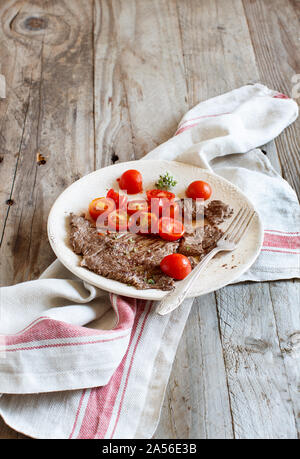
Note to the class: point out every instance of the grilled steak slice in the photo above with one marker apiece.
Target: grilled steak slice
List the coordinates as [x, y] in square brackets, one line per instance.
[129, 258]
[200, 241]
[125, 270]
[191, 242]
[83, 234]
[211, 236]
[144, 250]
[134, 259]
[217, 212]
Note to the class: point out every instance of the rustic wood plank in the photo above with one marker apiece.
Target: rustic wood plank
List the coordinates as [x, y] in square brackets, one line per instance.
[139, 77]
[48, 50]
[197, 404]
[57, 121]
[260, 395]
[228, 51]
[274, 29]
[217, 49]
[285, 300]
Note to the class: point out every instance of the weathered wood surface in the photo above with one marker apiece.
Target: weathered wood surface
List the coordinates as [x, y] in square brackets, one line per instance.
[91, 84]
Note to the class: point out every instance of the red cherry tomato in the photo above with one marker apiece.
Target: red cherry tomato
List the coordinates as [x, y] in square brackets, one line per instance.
[131, 181]
[143, 223]
[100, 205]
[199, 189]
[118, 220]
[119, 199]
[160, 194]
[158, 199]
[171, 210]
[176, 265]
[170, 229]
[137, 205]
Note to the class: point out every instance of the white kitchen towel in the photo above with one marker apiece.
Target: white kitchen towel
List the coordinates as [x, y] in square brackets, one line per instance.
[72, 366]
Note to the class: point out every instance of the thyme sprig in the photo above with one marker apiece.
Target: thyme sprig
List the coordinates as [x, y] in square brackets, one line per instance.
[165, 182]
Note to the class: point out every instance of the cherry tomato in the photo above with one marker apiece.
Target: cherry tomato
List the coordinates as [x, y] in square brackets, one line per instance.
[160, 194]
[170, 229]
[100, 205]
[158, 199]
[118, 220]
[176, 265]
[119, 199]
[143, 222]
[137, 205]
[131, 181]
[199, 189]
[170, 209]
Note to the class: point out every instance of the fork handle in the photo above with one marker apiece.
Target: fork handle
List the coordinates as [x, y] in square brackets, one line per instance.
[174, 299]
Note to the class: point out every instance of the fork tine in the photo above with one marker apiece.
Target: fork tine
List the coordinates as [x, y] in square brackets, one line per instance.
[244, 227]
[235, 231]
[232, 223]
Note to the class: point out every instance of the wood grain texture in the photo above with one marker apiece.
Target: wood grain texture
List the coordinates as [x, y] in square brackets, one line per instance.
[285, 298]
[48, 50]
[139, 77]
[49, 109]
[257, 379]
[225, 31]
[108, 80]
[197, 403]
[274, 30]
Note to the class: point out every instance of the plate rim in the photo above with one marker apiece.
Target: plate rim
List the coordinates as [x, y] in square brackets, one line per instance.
[150, 294]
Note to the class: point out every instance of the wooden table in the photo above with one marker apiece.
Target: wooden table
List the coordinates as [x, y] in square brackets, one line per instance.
[90, 83]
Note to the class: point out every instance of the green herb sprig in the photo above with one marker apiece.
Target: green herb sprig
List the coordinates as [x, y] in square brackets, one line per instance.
[165, 182]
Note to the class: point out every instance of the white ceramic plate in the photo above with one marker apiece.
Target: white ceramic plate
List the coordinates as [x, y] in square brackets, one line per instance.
[222, 270]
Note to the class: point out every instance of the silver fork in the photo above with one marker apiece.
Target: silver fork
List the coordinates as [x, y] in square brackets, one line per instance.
[228, 242]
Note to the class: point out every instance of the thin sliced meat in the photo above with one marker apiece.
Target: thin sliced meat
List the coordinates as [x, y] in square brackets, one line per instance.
[200, 241]
[129, 258]
[216, 212]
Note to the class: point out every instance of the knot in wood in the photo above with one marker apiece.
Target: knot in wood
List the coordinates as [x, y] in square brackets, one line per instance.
[36, 23]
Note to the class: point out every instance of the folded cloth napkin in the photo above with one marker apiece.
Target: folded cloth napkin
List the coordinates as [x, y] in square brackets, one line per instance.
[76, 362]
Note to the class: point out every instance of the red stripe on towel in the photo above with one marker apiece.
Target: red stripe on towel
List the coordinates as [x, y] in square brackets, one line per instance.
[281, 242]
[102, 399]
[128, 374]
[45, 328]
[182, 127]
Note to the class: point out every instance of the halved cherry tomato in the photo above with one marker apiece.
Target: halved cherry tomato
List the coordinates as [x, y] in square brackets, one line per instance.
[131, 181]
[137, 205]
[199, 189]
[100, 205]
[170, 209]
[158, 199]
[120, 199]
[170, 229]
[118, 220]
[176, 265]
[143, 222]
[160, 194]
